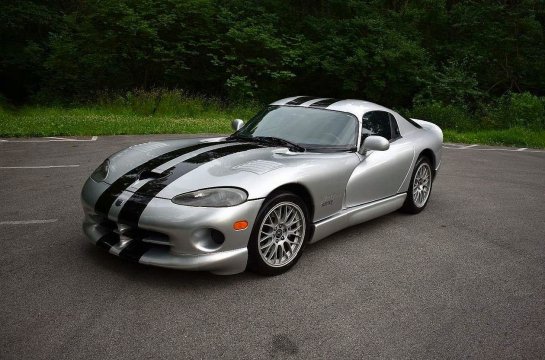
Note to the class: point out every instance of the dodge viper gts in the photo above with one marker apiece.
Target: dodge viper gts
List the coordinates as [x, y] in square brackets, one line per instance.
[298, 171]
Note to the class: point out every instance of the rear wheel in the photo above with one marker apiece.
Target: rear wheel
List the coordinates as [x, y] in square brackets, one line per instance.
[279, 234]
[419, 187]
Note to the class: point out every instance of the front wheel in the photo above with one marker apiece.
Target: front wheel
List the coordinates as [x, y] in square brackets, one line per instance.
[279, 234]
[419, 187]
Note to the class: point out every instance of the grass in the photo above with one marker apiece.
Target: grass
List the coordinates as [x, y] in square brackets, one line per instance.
[508, 137]
[191, 118]
[157, 111]
[91, 121]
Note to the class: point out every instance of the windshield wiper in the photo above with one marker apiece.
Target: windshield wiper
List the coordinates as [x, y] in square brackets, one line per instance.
[268, 140]
[235, 136]
[278, 141]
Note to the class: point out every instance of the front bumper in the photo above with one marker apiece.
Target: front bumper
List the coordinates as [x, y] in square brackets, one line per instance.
[175, 236]
[221, 262]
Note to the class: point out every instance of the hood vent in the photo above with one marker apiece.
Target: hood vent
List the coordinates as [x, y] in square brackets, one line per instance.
[147, 174]
[258, 167]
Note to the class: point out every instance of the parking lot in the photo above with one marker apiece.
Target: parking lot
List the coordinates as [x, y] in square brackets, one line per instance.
[465, 278]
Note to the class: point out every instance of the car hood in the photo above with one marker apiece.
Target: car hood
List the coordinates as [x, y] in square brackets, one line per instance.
[169, 168]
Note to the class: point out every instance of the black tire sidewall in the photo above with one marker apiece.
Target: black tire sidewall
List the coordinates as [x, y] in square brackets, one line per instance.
[255, 262]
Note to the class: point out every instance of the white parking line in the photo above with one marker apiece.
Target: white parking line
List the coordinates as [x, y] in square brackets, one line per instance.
[55, 138]
[50, 139]
[38, 167]
[26, 222]
[492, 149]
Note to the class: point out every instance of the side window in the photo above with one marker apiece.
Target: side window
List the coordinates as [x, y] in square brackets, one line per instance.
[396, 134]
[376, 123]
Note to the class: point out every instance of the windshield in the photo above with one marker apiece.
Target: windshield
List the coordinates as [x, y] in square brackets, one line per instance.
[307, 127]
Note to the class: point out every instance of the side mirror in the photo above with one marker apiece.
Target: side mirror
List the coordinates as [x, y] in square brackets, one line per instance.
[237, 124]
[374, 142]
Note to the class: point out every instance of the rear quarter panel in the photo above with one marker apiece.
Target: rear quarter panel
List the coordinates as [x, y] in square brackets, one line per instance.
[429, 137]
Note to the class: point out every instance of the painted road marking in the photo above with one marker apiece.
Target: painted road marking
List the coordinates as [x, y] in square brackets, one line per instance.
[55, 138]
[469, 146]
[50, 139]
[26, 222]
[38, 167]
[493, 149]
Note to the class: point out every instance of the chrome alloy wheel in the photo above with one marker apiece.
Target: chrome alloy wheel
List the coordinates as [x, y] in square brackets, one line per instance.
[422, 184]
[281, 234]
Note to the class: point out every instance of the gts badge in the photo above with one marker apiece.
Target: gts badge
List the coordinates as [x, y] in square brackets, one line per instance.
[327, 203]
[329, 199]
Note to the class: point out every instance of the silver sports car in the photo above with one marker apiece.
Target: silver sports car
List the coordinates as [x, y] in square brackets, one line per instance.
[298, 171]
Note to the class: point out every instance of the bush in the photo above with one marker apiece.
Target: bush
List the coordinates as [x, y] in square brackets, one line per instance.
[445, 116]
[517, 110]
[453, 85]
[173, 103]
[514, 110]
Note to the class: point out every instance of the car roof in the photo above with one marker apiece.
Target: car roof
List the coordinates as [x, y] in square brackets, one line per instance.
[352, 106]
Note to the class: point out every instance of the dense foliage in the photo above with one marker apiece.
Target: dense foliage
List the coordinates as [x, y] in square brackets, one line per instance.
[456, 57]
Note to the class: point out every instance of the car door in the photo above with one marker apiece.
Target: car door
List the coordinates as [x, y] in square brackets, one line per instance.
[380, 173]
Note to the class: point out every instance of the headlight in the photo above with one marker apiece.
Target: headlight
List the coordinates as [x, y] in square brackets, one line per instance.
[215, 197]
[101, 172]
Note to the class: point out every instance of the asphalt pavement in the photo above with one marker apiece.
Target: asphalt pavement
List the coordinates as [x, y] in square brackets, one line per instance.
[465, 278]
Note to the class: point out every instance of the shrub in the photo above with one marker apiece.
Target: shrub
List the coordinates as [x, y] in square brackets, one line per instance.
[518, 110]
[445, 116]
[173, 103]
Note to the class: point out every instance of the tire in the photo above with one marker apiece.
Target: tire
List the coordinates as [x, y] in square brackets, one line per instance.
[275, 246]
[417, 197]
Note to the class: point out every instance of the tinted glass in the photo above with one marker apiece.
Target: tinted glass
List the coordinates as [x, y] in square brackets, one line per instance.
[308, 127]
[376, 123]
[395, 128]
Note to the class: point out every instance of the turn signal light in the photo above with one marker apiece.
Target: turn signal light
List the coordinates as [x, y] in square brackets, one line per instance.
[240, 225]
